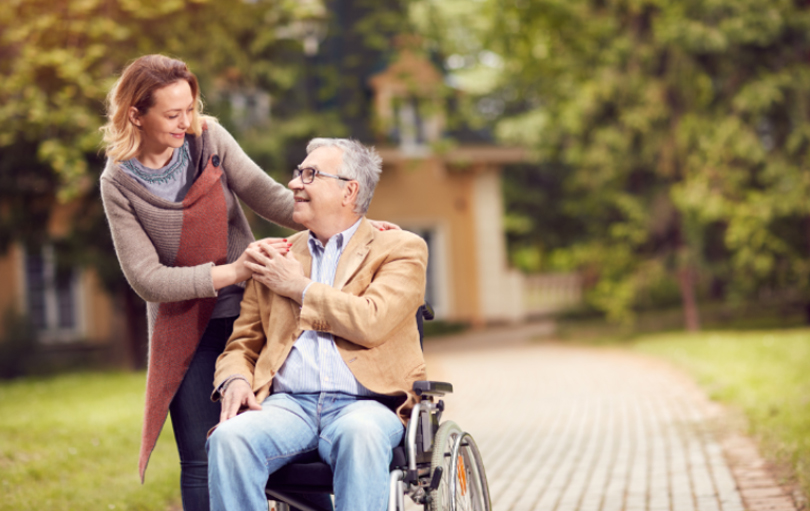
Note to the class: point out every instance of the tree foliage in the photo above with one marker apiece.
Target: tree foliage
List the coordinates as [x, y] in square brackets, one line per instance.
[683, 128]
[59, 58]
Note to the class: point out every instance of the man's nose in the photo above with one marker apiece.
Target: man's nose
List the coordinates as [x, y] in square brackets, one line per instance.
[295, 183]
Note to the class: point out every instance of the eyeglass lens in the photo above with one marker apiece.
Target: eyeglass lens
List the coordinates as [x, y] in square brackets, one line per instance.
[307, 175]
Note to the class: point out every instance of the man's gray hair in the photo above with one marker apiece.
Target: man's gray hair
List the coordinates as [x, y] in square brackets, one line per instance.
[360, 163]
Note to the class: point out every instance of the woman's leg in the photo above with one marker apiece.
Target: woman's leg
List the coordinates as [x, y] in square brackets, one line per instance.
[193, 414]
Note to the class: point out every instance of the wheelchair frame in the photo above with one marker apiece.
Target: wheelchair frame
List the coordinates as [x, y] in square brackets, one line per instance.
[445, 477]
[445, 470]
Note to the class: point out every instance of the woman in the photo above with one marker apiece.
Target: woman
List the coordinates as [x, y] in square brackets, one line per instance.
[170, 190]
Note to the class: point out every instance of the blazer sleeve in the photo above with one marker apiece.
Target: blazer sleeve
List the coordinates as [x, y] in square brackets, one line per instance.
[270, 199]
[245, 344]
[395, 292]
[151, 280]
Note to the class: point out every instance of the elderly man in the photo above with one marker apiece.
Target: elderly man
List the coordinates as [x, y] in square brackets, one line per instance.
[326, 349]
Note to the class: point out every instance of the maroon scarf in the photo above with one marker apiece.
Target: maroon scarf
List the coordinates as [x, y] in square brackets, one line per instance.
[180, 325]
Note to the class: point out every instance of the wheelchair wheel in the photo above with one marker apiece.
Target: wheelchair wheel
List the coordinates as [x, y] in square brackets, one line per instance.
[463, 476]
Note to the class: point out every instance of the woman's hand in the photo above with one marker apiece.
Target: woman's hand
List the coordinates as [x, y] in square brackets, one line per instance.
[237, 271]
[282, 273]
[382, 225]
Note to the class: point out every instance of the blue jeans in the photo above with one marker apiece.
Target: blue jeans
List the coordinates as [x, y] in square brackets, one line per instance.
[355, 436]
[194, 414]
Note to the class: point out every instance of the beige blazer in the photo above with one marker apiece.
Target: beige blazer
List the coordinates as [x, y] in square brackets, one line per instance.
[370, 311]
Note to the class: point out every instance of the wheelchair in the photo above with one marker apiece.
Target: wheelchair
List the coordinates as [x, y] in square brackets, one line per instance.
[438, 464]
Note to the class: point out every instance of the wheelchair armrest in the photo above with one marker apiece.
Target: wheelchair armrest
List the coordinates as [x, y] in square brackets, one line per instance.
[432, 388]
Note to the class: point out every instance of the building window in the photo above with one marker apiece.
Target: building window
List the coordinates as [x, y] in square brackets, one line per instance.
[430, 293]
[51, 297]
[408, 129]
[437, 284]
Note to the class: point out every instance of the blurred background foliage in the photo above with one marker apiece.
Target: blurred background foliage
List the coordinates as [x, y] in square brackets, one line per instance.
[671, 140]
[305, 59]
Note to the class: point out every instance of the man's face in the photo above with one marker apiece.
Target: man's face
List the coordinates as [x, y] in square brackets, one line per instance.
[318, 202]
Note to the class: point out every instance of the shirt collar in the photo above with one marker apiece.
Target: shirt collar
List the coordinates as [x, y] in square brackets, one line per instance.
[342, 238]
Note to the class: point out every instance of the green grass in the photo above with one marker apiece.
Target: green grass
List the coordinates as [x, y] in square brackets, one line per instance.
[766, 374]
[588, 327]
[71, 443]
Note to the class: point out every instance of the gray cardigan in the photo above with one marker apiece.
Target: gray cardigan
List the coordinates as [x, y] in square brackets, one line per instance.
[146, 229]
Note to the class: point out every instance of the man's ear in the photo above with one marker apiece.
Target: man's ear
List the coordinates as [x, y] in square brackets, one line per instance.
[350, 192]
[133, 115]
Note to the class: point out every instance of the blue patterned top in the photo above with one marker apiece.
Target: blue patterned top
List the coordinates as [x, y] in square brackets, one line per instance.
[171, 182]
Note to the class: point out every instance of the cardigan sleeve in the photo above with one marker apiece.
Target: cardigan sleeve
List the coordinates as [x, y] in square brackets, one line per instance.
[270, 199]
[151, 280]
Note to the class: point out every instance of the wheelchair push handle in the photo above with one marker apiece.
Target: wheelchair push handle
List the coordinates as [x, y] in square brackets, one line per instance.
[432, 388]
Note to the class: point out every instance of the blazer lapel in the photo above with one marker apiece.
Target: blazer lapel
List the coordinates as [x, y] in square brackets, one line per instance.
[354, 254]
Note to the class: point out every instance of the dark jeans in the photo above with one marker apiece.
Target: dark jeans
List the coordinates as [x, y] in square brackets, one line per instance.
[193, 414]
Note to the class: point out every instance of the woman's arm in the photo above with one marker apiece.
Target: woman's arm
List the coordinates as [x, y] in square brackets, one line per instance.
[264, 195]
[268, 198]
[152, 280]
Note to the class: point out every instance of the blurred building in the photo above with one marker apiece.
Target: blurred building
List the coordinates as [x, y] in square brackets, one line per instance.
[65, 305]
[451, 197]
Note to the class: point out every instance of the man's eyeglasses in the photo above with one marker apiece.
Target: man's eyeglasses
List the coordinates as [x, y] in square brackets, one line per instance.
[308, 174]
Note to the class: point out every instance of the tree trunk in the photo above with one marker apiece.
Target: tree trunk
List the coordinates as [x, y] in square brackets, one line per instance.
[686, 282]
[807, 303]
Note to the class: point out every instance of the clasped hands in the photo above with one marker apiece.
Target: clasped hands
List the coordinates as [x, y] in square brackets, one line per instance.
[273, 265]
[270, 262]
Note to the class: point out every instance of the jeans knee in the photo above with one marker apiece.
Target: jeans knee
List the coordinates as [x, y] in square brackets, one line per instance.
[365, 440]
[226, 441]
[193, 474]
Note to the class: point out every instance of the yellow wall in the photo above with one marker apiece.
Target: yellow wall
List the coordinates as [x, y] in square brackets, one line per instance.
[98, 315]
[423, 192]
[10, 288]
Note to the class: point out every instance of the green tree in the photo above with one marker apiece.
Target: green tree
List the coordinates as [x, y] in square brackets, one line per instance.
[57, 62]
[59, 58]
[683, 128]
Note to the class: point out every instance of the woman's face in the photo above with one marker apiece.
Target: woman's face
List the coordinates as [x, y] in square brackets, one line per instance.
[164, 125]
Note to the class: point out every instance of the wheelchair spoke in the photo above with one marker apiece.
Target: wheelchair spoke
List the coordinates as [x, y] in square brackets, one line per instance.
[463, 482]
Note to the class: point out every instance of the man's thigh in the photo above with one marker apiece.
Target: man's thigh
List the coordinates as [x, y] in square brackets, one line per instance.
[356, 424]
[283, 430]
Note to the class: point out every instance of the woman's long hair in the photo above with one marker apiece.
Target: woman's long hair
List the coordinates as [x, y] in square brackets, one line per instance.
[137, 87]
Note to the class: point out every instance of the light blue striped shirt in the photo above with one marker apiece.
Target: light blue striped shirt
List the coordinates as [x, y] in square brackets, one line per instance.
[314, 363]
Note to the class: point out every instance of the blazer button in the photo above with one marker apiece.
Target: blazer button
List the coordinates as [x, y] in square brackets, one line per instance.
[215, 160]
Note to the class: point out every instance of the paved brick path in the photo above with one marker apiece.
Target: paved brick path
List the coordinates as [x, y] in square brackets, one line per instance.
[566, 428]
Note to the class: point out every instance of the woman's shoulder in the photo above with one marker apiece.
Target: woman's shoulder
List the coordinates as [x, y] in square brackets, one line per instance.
[215, 131]
[110, 174]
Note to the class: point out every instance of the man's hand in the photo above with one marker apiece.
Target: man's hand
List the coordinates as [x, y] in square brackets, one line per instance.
[283, 274]
[237, 395]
